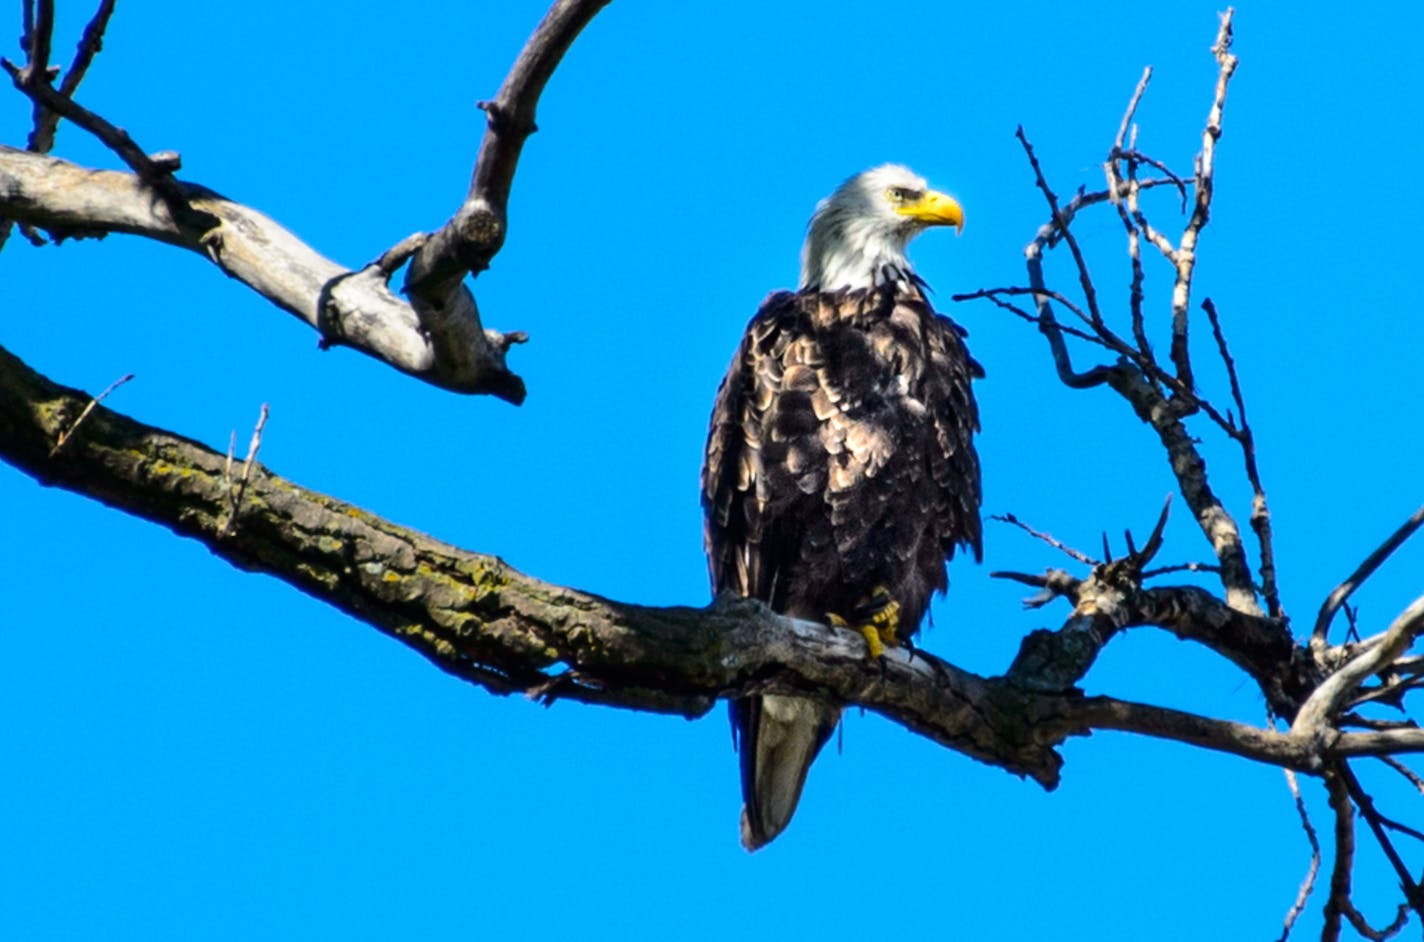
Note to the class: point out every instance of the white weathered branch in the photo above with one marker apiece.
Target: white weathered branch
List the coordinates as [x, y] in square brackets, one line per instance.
[1376, 654]
[450, 348]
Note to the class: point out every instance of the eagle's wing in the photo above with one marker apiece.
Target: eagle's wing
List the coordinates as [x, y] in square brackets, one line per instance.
[730, 469]
[750, 475]
[764, 453]
[954, 465]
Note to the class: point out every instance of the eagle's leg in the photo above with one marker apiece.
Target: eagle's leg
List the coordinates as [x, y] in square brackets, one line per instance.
[877, 619]
[882, 620]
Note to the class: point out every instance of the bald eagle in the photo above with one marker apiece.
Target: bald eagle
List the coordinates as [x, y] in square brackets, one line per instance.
[840, 472]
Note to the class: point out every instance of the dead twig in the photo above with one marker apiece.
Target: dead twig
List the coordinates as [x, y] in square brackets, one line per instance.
[1201, 210]
[1366, 722]
[397, 255]
[1137, 156]
[1413, 895]
[47, 120]
[468, 241]
[1154, 540]
[1048, 538]
[1376, 935]
[231, 449]
[156, 171]
[1131, 111]
[1084, 278]
[1053, 584]
[38, 36]
[1345, 589]
[1051, 236]
[1391, 691]
[1344, 854]
[68, 433]
[1404, 770]
[1307, 885]
[229, 523]
[1044, 322]
[1181, 567]
[1260, 511]
[1116, 185]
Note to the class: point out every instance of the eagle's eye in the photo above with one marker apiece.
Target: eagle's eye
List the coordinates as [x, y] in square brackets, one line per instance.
[902, 194]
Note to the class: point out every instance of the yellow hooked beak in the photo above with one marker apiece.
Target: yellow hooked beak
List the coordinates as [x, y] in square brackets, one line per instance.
[934, 209]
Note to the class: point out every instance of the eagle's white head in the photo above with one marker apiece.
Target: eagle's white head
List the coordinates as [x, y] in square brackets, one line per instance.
[858, 234]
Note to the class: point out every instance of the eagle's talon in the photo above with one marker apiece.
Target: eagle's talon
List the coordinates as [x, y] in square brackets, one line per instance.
[882, 620]
[872, 640]
[877, 618]
[887, 622]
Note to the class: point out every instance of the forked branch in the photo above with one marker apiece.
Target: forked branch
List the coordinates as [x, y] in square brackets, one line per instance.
[437, 336]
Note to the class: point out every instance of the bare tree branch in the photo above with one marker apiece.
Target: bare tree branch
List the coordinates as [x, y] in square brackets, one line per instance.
[478, 619]
[64, 435]
[1116, 186]
[1307, 885]
[1111, 600]
[438, 336]
[38, 37]
[1181, 567]
[1375, 655]
[1047, 538]
[468, 241]
[1409, 774]
[238, 489]
[1311, 686]
[353, 308]
[1344, 855]
[47, 122]
[1344, 590]
[1061, 223]
[1139, 386]
[1260, 511]
[1412, 893]
[1187, 246]
[155, 171]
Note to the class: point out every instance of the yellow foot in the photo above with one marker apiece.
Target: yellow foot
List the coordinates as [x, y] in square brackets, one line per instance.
[882, 621]
[884, 615]
[872, 640]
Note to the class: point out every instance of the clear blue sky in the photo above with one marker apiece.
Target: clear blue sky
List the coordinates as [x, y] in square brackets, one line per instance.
[194, 752]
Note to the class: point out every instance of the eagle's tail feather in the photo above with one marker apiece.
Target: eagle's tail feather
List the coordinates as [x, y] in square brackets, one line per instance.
[780, 737]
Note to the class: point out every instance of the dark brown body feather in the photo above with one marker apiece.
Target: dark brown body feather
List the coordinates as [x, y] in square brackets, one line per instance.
[840, 458]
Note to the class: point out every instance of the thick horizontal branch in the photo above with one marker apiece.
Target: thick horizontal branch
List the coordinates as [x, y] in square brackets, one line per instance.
[351, 308]
[479, 619]
[474, 616]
